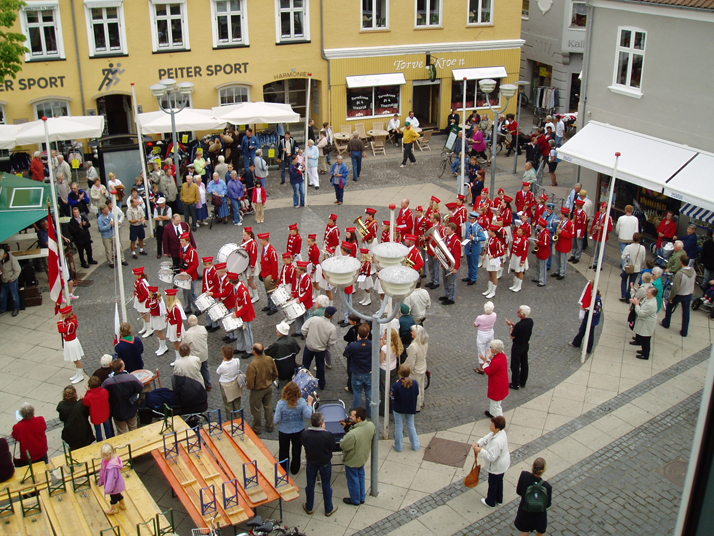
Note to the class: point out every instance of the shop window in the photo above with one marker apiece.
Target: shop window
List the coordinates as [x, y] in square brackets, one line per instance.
[170, 26]
[630, 59]
[375, 14]
[57, 108]
[579, 15]
[233, 95]
[373, 101]
[105, 26]
[428, 13]
[293, 22]
[526, 9]
[292, 91]
[474, 97]
[42, 26]
[480, 11]
[229, 23]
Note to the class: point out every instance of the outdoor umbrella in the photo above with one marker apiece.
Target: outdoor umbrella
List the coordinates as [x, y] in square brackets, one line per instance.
[8, 133]
[248, 113]
[61, 128]
[187, 119]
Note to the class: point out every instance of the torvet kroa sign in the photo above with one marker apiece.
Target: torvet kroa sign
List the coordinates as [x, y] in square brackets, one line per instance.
[197, 71]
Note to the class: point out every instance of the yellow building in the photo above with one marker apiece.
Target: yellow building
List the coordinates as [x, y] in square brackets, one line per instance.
[367, 57]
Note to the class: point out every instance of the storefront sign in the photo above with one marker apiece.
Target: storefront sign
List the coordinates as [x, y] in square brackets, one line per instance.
[439, 63]
[575, 43]
[24, 84]
[359, 102]
[197, 71]
[111, 76]
[292, 74]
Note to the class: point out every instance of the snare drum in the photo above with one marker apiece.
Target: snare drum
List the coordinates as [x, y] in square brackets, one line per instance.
[204, 302]
[166, 275]
[280, 295]
[183, 281]
[217, 311]
[293, 309]
[166, 264]
[231, 323]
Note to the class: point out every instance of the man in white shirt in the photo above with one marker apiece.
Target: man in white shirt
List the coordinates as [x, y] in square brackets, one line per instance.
[626, 227]
[588, 206]
[418, 301]
[91, 172]
[196, 337]
[393, 128]
[413, 120]
[559, 130]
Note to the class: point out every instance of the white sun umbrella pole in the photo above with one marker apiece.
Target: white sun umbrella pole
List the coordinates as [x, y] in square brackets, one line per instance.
[601, 257]
[58, 229]
[462, 179]
[142, 157]
[307, 124]
[392, 208]
[117, 255]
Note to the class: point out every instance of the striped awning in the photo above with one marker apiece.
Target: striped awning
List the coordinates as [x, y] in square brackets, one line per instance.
[697, 213]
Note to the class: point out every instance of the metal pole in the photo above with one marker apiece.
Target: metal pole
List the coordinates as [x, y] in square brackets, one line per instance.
[58, 229]
[588, 324]
[494, 144]
[462, 180]
[142, 157]
[176, 147]
[518, 120]
[117, 257]
[392, 313]
[307, 122]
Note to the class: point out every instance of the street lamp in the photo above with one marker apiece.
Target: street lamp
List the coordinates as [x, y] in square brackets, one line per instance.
[397, 282]
[508, 91]
[520, 84]
[173, 98]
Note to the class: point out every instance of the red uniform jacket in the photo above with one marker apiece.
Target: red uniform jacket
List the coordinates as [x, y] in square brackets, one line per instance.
[372, 227]
[154, 305]
[520, 247]
[243, 302]
[667, 228]
[543, 252]
[565, 238]
[141, 290]
[460, 217]
[527, 229]
[454, 245]
[405, 222]
[538, 212]
[365, 269]
[68, 328]
[210, 280]
[599, 221]
[189, 261]
[304, 291]
[175, 319]
[580, 223]
[226, 293]
[269, 263]
[288, 275]
[353, 249]
[314, 254]
[495, 247]
[420, 227]
[483, 201]
[294, 244]
[332, 236]
[414, 255]
[251, 246]
[506, 217]
[430, 242]
[385, 236]
[524, 200]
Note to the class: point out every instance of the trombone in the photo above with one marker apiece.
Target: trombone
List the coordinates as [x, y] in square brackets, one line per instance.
[441, 252]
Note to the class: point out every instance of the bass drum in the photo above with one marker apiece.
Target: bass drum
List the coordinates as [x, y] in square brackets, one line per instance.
[225, 251]
[238, 261]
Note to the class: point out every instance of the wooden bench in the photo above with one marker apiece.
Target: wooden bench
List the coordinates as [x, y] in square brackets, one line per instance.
[75, 514]
[35, 478]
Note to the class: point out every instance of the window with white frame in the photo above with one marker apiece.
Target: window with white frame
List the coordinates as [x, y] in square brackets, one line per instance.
[428, 13]
[630, 58]
[526, 9]
[475, 98]
[106, 28]
[373, 101]
[234, 94]
[375, 14]
[229, 23]
[293, 21]
[579, 15]
[480, 11]
[41, 23]
[169, 25]
[52, 108]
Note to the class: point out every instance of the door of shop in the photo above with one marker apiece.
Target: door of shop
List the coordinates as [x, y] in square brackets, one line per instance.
[425, 102]
[118, 113]
[574, 92]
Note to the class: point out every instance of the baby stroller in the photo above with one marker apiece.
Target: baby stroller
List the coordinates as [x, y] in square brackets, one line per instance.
[306, 382]
[334, 412]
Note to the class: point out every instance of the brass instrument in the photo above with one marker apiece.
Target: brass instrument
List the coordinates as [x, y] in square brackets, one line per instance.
[535, 248]
[555, 238]
[446, 219]
[441, 252]
[361, 227]
[408, 262]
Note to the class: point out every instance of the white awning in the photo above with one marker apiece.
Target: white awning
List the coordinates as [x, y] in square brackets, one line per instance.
[479, 73]
[676, 170]
[372, 80]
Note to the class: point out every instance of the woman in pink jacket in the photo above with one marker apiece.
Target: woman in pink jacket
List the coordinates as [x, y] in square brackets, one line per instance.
[111, 478]
[496, 368]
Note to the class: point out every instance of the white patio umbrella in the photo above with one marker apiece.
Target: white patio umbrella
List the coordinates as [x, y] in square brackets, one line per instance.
[8, 133]
[61, 128]
[248, 113]
[187, 119]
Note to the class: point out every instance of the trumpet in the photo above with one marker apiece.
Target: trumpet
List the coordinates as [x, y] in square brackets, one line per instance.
[361, 227]
[441, 252]
[408, 262]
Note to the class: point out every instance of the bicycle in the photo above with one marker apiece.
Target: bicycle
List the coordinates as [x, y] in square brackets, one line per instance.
[263, 528]
[214, 530]
[446, 162]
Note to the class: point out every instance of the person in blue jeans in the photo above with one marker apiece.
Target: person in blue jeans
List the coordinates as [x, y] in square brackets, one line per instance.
[357, 446]
[356, 149]
[319, 443]
[10, 273]
[359, 357]
[338, 178]
[681, 293]
[236, 192]
[297, 181]
[404, 396]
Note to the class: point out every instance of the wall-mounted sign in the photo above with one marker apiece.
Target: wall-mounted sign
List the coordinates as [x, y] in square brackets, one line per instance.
[197, 70]
[292, 74]
[111, 76]
[24, 84]
[439, 63]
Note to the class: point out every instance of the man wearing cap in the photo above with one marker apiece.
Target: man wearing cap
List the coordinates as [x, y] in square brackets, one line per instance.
[332, 233]
[563, 242]
[162, 217]
[543, 242]
[211, 282]
[244, 311]
[338, 178]
[284, 346]
[189, 265]
[580, 223]
[600, 232]
[372, 226]
[302, 291]
[553, 220]
[474, 235]
[410, 136]
[268, 270]
[432, 262]
[172, 239]
[454, 245]
[320, 334]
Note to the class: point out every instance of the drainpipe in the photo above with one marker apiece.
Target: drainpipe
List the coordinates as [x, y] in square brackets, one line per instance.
[586, 68]
[79, 62]
[324, 57]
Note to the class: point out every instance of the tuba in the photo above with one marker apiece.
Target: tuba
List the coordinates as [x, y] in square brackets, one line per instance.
[441, 252]
[446, 219]
[361, 227]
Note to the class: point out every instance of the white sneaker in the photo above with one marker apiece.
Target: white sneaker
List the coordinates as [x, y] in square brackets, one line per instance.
[73, 297]
[402, 165]
[149, 333]
[369, 302]
[172, 363]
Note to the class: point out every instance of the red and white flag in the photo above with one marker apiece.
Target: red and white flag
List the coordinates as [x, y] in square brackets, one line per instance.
[54, 261]
[117, 324]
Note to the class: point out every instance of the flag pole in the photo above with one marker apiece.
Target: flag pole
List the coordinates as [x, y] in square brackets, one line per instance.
[142, 157]
[58, 230]
[306, 179]
[588, 324]
[117, 255]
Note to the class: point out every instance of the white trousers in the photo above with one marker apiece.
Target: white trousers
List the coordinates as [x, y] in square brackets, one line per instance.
[495, 408]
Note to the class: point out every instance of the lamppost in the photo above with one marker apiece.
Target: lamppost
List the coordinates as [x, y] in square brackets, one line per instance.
[398, 282]
[173, 98]
[519, 84]
[508, 91]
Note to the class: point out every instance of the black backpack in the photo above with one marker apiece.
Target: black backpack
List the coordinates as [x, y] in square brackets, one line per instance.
[535, 499]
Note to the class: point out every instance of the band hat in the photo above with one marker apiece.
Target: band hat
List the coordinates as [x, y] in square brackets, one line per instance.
[580, 202]
[232, 275]
[371, 211]
[473, 214]
[420, 209]
[283, 328]
[494, 227]
[435, 199]
[351, 229]
[544, 197]
[66, 310]
[303, 264]
[565, 210]
[386, 222]
[363, 251]
[293, 227]
[526, 183]
[330, 250]
[221, 266]
[550, 205]
[333, 217]
[410, 237]
[287, 255]
[171, 291]
[247, 229]
[264, 236]
[207, 260]
[451, 206]
[312, 237]
[153, 289]
[346, 245]
[542, 222]
[461, 197]
[138, 271]
[501, 191]
[185, 236]
[507, 198]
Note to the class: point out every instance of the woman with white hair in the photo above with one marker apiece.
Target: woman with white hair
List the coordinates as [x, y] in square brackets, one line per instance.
[313, 157]
[521, 336]
[496, 368]
[416, 359]
[658, 283]
[261, 168]
[485, 324]
[31, 434]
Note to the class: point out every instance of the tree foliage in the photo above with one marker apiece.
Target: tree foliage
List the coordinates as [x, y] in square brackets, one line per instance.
[12, 47]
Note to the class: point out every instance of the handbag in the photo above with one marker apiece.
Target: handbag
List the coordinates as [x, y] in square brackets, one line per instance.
[630, 268]
[216, 201]
[632, 317]
[471, 480]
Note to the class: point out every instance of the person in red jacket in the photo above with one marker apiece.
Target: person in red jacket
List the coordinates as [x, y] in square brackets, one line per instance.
[667, 229]
[453, 243]
[210, 282]
[175, 317]
[251, 246]
[332, 233]
[303, 293]
[244, 311]
[259, 199]
[157, 311]
[294, 246]
[372, 227]
[288, 273]
[141, 294]
[225, 293]
[432, 262]
[519, 258]
[542, 251]
[496, 368]
[37, 168]
[563, 243]
[600, 232]
[460, 215]
[313, 255]
[269, 270]
[405, 221]
[365, 274]
[414, 255]
[494, 251]
[73, 352]
[580, 223]
[31, 435]
[189, 265]
[97, 400]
